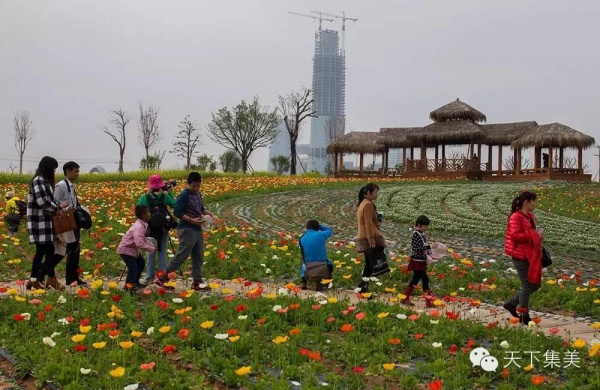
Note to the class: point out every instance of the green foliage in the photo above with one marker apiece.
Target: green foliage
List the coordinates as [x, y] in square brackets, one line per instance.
[230, 161]
[281, 164]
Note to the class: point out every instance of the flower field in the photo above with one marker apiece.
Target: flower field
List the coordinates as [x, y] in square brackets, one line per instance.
[249, 334]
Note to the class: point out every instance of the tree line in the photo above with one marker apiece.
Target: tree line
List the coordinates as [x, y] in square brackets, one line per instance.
[241, 130]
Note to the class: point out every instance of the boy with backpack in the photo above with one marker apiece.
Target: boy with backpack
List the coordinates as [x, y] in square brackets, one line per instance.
[16, 209]
[158, 198]
[420, 255]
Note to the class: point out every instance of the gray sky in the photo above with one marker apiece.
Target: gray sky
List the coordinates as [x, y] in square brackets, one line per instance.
[70, 61]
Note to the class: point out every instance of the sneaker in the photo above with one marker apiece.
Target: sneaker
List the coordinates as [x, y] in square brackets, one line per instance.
[132, 290]
[52, 283]
[36, 285]
[525, 319]
[161, 283]
[149, 281]
[512, 309]
[200, 286]
[141, 285]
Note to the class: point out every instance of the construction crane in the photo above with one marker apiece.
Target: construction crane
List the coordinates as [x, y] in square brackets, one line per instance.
[320, 18]
[344, 18]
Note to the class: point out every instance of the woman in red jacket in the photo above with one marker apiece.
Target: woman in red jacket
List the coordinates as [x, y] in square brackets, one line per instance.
[523, 244]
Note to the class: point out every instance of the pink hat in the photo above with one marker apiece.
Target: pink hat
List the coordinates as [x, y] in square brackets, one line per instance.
[155, 182]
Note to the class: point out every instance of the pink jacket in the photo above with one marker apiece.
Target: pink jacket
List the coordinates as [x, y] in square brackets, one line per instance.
[134, 241]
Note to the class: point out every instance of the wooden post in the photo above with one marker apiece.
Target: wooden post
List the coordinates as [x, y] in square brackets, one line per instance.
[550, 162]
[499, 160]
[580, 160]
[489, 165]
[335, 163]
[404, 158]
[479, 159]
[561, 158]
[437, 147]
[385, 157]
[341, 161]
[412, 153]
[361, 162]
[517, 160]
[443, 157]
[536, 159]
[423, 152]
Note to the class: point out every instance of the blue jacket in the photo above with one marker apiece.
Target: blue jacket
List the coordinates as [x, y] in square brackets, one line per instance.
[191, 205]
[314, 243]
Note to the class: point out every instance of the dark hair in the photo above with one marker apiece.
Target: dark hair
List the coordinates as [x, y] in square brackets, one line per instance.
[69, 166]
[312, 224]
[422, 220]
[140, 210]
[363, 191]
[517, 202]
[194, 177]
[46, 169]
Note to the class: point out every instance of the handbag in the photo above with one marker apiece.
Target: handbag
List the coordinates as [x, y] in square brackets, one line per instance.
[378, 264]
[316, 271]
[546, 258]
[63, 221]
[83, 219]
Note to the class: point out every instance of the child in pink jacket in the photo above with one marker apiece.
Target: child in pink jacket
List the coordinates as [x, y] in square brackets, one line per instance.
[132, 245]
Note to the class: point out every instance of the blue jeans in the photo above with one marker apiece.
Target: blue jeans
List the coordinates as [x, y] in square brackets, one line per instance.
[162, 257]
[135, 267]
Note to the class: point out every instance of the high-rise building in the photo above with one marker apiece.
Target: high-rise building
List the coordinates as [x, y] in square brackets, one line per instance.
[329, 88]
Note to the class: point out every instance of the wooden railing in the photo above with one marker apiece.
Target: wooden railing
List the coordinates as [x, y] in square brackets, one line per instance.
[445, 165]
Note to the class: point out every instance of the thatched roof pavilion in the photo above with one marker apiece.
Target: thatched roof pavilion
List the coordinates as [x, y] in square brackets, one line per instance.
[457, 110]
[366, 142]
[397, 137]
[454, 132]
[505, 133]
[553, 135]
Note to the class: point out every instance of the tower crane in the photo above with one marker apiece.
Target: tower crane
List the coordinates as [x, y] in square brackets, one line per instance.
[344, 18]
[320, 18]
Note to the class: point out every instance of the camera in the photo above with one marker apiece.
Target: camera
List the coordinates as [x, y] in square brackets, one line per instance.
[379, 217]
[169, 185]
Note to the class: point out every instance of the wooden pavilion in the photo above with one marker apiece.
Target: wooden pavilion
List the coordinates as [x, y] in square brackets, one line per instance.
[457, 123]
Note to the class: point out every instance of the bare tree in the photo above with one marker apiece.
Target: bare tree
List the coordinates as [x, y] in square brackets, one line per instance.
[244, 128]
[186, 140]
[295, 107]
[23, 134]
[153, 161]
[12, 167]
[148, 128]
[335, 127]
[119, 121]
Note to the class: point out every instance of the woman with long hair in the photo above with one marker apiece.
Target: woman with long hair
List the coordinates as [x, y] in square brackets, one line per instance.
[40, 207]
[369, 239]
[523, 245]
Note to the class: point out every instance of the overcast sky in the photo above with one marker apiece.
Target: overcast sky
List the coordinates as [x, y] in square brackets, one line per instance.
[69, 62]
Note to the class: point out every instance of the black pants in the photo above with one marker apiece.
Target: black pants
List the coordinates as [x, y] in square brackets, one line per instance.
[43, 252]
[135, 267]
[13, 221]
[420, 276]
[73, 253]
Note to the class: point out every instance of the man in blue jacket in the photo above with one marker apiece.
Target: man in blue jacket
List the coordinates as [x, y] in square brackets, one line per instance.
[314, 249]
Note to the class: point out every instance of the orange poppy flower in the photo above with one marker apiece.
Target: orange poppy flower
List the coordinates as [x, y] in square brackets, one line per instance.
[346, 328]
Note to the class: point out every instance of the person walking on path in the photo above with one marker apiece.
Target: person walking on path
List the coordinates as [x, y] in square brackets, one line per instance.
[420, 249]
[189, 208]
[523, 244]
[159, 197]
[313, 245]
[40, 207]
[369, 239]
[13, 216]
[68, 243]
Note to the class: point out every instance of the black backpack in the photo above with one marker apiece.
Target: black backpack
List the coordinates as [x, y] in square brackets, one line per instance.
[161, 220]
[22, 206]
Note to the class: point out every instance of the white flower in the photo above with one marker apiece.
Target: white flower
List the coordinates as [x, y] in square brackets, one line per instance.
[357, 289]
[63, 321]
[61, 299]
[323, 302]
[242, 317]
[133, 386]
[531, 324]
[150, 330]
[436, 345]
[294, 383]
[594, 341]
[401, 316]
[330, 285]
[268, 270]
[484, 280]
[276, 308]
[177, 300]
[263, 265]
[26, 316]
[434, 322]
[274, 257]
[379, 284]
[85, 371]
[482, 270]
[505, 344]
[366, 278]
[221, 336]
[282, 291]
[324, 384]
[48, 341]
[492, 260]
[461, 289]
[54, 335]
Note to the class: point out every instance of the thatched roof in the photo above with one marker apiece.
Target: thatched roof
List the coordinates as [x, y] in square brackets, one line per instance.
[449, 133]
[357, 142]
[457, 110]
[397, 137]
[556, 135]
[505, 133]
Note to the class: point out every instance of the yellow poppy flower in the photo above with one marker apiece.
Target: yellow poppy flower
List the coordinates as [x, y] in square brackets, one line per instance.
[104, 292]
[112, 285]
[85, 329]
[594, 349]
[227, 291]
[332, 300]
[383, 315]
[97, 283]
[245, 370]
[389, 366]
[271, 296]
[19, 298]
[528, 367]
[551, 282]
[390, 290]
[578, 343]
[596, 325]
[280, 339]
[213, 286]
[233, 339]
[367, 295]
[207, 324]
[77, 338]
[99, 345]
[164, 329]
[137, 334]
[12, 291]
[126, 344]
[117, 372]
[346, 276]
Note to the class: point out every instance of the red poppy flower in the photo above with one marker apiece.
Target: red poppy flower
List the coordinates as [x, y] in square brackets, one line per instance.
[314, 355]
[183, 333]
[163, 305]
[169, 348]
[186, 319]
[538, 379]
[394, 341]
[435, 385]
[85, 322]
[260, 321]
[138, 314]
[172, 275]
[419, 336]
[41, 316]
[114, 333]
[330, 319]
[214, 307]
[232, 332]
[48, 308]
[360, 316]
[80, 348]
[453, 349]
[294, 306]
[70, 319]
[505, 373]
[358, 369]
[346, 328]
[147, 366]
[161, 291]
[18, 317]
[316, 307]
[116, 298]
[304, 351]
[229, 298]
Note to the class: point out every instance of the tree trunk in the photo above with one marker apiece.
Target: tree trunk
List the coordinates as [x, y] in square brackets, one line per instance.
[121, 154]
[21, 164]
[292, 156]
[245, 164]
[147, 153]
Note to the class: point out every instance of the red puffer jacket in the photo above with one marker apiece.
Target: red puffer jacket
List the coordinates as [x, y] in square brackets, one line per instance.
[518, 239]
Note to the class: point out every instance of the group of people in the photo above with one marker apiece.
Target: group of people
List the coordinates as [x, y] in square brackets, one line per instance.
[523, 243]
[44, 199]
